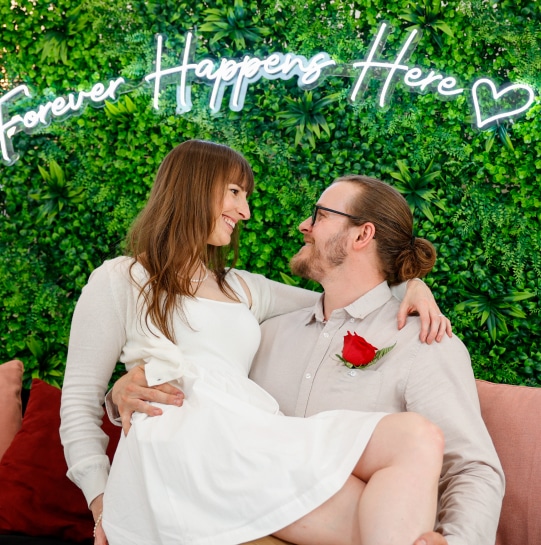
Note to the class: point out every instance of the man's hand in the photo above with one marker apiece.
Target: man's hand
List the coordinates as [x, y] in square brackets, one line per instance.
[431, 538]
[131, 393]
[419, 299]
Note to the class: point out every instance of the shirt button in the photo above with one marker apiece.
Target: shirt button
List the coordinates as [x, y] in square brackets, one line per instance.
[325, 334]
[352, 320]
[308, 375]
[352, 373]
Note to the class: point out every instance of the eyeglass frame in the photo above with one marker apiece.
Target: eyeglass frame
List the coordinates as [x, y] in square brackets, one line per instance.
[317, 207]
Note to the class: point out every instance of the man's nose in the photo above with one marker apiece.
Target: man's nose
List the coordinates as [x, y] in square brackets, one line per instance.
[306, 225]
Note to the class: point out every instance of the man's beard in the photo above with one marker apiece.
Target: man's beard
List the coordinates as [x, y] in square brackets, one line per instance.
[314, 262]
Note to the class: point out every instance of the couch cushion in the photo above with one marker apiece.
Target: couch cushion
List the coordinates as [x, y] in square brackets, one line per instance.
[511, 414]
[11, 376]
[36, 497]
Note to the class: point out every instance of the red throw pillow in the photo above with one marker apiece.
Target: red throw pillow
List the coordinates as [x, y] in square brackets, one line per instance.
[36, 497]
[11, 378]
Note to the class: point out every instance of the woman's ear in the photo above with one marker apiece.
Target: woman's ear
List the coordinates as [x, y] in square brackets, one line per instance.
[363, 235]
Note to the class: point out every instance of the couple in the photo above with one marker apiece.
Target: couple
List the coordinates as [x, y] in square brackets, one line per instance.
[225, 467]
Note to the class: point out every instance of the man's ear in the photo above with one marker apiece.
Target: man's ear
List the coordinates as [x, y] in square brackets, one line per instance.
[364, 235]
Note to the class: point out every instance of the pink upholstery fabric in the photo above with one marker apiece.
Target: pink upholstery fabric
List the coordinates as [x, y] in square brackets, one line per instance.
[11, 375]
[512, 415]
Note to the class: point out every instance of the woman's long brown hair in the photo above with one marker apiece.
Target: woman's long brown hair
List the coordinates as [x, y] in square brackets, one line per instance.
[169, 237]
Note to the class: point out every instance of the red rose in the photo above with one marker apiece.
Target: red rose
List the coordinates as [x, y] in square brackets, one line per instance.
[357, 351]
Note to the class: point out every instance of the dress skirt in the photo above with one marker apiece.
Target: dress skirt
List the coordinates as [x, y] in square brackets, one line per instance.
[222, 471]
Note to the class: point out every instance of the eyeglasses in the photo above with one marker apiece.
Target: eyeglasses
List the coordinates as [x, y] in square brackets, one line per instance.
[317, 208]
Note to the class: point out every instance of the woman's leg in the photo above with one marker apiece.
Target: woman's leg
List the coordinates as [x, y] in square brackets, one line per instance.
[401, 466]
[402, 474]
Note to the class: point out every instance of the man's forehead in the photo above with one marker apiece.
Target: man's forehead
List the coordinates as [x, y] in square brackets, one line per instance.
[337, 193]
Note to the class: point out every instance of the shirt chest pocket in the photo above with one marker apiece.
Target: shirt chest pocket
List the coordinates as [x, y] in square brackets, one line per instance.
[354, 389]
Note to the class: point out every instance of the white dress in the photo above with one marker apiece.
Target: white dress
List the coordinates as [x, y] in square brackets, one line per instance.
[226, 467]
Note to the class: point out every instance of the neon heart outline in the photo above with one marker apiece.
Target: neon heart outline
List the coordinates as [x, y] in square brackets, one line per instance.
[496, 95]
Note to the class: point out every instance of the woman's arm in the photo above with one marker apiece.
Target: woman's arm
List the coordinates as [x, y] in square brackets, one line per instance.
[416, 297]
[97, 511]
[268, 298]
[96, 339]
[271, 298]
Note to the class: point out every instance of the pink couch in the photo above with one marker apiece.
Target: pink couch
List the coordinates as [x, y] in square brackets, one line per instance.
[511, 414]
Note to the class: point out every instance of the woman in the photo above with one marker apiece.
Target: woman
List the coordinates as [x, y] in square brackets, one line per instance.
[225, 467]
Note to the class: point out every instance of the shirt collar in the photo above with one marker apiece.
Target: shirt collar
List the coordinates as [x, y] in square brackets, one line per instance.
[360, 308]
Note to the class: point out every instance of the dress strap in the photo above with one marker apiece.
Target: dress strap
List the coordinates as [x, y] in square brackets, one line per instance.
[236, 285]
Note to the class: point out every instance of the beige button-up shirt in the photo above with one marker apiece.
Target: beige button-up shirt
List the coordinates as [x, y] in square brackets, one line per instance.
[297, 363]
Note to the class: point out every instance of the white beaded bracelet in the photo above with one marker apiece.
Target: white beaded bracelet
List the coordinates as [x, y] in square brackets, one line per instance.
[98, 520]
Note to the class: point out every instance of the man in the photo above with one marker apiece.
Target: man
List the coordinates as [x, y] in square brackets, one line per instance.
[358, 240]
[298, 359]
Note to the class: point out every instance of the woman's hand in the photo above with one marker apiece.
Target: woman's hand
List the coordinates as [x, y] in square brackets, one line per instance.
[419, 299]
[97, 509]
[131, 393]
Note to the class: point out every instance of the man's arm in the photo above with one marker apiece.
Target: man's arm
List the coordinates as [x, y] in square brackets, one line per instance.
[131, 393]
[441, 387]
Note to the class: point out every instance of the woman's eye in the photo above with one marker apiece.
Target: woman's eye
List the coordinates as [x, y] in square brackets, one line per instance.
[234, 191]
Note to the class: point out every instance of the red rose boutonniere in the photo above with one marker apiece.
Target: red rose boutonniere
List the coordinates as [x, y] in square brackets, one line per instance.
[358, 352]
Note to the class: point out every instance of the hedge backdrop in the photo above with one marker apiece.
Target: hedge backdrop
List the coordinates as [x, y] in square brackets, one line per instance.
[67, 202]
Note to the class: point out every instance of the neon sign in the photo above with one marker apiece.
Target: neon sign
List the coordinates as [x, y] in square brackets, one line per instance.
[238, 74]
[482, 122]
[59, 107]
[235, 73]
[413, 76]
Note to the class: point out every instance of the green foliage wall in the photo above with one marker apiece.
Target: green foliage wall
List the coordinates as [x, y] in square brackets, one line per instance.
[67, 203]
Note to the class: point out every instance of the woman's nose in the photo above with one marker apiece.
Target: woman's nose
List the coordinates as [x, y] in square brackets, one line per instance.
[244, 209]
